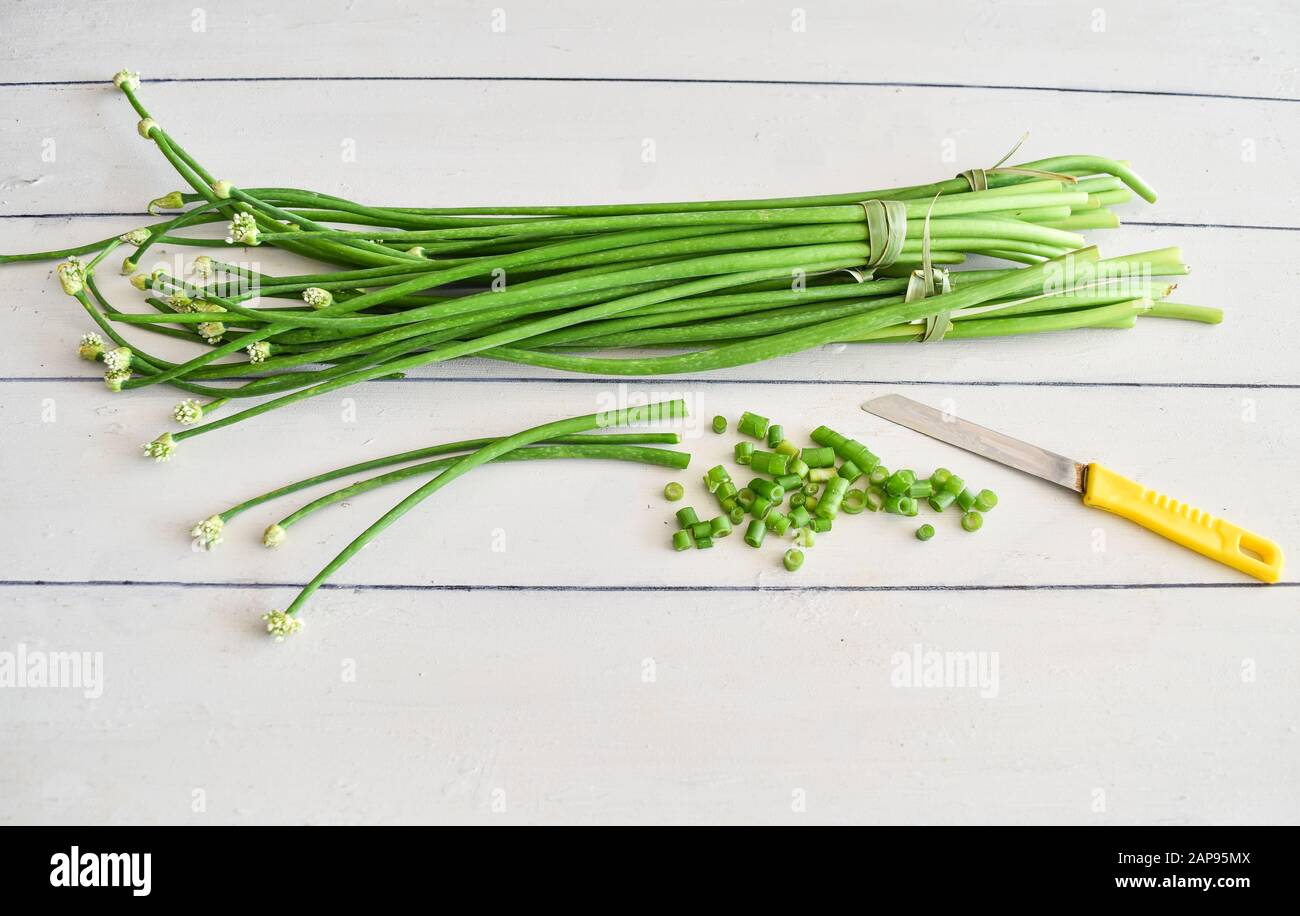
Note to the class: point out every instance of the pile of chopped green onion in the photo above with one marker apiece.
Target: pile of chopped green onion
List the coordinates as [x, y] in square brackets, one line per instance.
[386, 289]
[816, 483]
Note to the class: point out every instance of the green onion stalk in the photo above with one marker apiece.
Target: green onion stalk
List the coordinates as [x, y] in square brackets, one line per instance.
[385, 289]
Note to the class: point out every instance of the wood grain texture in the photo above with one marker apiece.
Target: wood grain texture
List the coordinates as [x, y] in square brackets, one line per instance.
[585, 673]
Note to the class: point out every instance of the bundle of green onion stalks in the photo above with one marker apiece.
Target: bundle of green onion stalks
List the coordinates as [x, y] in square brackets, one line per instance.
[712, 284]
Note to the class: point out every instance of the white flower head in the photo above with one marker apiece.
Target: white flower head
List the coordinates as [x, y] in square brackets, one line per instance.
[126, 79]
[258, 352]
[274, 536]
[180, 302]
[221, 189]
[243, 230]
[202, 266]
[187, 412]
[279, 624]
[146, 127]
[208, 532]
[72, 276]
[172, 201]
[117, 359]
[91, 347]
[161, 449]
[135, 236]
[317, 298]
[211, 331]
[114, 378]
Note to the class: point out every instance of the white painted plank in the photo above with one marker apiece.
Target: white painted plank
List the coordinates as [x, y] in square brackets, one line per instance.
[480, 143]
[41, 325]
[1135, 709]
[118, 516]
[1155, 46]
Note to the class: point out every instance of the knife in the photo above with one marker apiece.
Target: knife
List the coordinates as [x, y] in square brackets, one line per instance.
[1216, 538]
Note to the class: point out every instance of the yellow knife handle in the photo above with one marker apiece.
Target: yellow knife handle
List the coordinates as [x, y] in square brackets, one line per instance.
[1217, 538]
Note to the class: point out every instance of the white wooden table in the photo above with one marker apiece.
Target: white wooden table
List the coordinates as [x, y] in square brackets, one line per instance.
[586, 673]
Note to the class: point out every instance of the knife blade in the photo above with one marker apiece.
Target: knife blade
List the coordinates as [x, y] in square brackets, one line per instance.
[1102, 488]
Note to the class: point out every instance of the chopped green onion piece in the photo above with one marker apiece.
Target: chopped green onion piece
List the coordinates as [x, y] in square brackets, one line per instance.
[822, 475]
[810, 503]
[789, 482]
[718, 473]
[875, 499]
[762, 462]
[940, 477]
[726, 489]
[829, 504]
[751, 424]
[910, 508]
[755, 533]
[744, 451]
[674, 491]
[854, 502]
[925, 532]
[899, 482]
[972, 521]
[736, 515]
[859, 454]
[941, 500]
[762, 506]
[797, 466]
[818, 457]
[900, 504]
[787, 448]
[824, 435]
[729, 504]
[799, 517]
[878, 475]
[719, 424]
[806, 537]
[767, 489]
[850, 471]
[985, 500]
[793, 559]
[702, 530]
[681, 540]
[966, 500]
[774, 435]
[703, 543]
[821, 525]
[797, 498]
[921, 489]
[954, 484]
[746, 498]
[811, 488]
[777, 522]
[686, 517]
[721, 527]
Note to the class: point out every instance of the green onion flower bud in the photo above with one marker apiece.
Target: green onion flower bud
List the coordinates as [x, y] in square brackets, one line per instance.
[128, 267]
[317, 298]
[72, 276]
[91, 347]
[202, 266]
[160, 449]
[136, 236]
[243, 230]
[172, 201]
[258, 352]
[274, 536]
[279, 624]
[209, 531]
[125, 79]
[117, 359]
[147, 126]
[187, 412]
[222, 189]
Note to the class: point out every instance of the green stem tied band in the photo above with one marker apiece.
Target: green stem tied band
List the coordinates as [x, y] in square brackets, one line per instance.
[978, 179]
[924, 282]
[886, 231]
